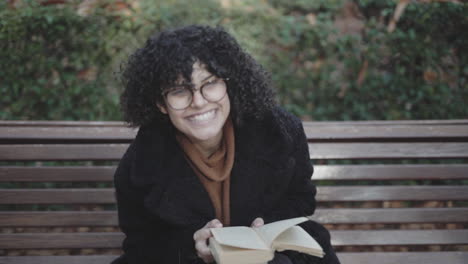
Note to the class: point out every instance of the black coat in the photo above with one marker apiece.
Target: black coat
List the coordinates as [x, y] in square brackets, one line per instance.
[161, 202]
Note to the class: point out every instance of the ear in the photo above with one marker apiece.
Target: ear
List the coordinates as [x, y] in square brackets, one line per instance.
[162, 108]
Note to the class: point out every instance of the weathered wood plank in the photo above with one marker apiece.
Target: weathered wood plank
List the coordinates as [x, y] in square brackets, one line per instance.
[325, 216]
[60, 240]
[404, 257]
[62, 152]
[398, 237]
[346, 258]
[391, 193]
[317, 151]
[354, 130]
[387, 150]
[62, 123]
[58, 218]
[57, 174]
[324, 193]
[55, 133]
[57, 196]
[321, 172]
[306, 123]
[90, 259]
[390, 215]
[339, 238]
[391, 172]
[369, 132]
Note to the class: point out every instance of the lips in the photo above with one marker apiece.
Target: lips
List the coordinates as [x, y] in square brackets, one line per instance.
[203, 117]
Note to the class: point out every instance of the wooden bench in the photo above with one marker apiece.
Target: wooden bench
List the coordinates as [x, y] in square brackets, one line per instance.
[390, 192]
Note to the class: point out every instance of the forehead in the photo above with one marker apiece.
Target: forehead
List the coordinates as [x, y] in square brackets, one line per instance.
[199, 72]
[198, 75]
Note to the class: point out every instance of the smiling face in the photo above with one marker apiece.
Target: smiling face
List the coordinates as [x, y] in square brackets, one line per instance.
[202, 121]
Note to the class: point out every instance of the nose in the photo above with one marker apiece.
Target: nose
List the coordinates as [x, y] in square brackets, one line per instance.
[198, 100]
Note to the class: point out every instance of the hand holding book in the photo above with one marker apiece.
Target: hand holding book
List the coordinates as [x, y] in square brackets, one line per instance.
[257, 245]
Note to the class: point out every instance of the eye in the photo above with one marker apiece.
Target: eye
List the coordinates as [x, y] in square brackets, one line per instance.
[212, 82]
[178, 92]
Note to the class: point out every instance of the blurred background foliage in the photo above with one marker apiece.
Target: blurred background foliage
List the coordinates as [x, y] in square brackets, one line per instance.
[329, 59]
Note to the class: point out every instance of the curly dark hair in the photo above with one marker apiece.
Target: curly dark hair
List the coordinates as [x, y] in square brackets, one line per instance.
[169, 55]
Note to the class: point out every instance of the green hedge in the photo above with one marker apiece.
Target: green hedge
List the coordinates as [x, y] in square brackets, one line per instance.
[330, 60]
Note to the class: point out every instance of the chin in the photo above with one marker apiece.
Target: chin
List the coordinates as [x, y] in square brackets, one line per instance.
[205, 135]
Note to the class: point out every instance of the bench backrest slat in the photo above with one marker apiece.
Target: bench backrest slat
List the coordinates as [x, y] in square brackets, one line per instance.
[317, 151]
[390, 215]
[339, 238]
[57, 174]
[325, 216]
[58, 218]
[382, 172]
[398, 237]
[391, 193]
[387, 150]
[58, 196]
[63, 152]
[324, 194]
[321, 172]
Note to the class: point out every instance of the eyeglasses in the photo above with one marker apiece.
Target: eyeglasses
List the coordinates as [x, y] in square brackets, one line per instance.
[181, 96]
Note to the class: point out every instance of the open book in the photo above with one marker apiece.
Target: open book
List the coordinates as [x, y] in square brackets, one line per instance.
[240, 244]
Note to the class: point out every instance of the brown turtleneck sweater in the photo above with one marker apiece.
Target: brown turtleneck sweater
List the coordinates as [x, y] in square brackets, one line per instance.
[214, 172]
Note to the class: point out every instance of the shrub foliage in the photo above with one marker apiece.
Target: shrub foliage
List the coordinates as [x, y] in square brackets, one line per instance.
[330, 60]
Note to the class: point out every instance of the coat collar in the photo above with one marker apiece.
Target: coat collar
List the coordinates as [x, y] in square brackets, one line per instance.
[174, 192]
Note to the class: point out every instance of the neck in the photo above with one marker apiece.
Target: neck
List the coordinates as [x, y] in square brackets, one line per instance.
[208, 147]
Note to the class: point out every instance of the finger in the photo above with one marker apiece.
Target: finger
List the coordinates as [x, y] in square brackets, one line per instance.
[258, 222]
[202, 249]
[202, 234]
[214, 224]
[203, 252]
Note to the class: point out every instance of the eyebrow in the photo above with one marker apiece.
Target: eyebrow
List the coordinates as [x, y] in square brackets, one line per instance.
[189, 83]
[209, 76]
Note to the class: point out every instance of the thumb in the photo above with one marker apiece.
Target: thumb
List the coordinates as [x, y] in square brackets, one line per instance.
[258, 222]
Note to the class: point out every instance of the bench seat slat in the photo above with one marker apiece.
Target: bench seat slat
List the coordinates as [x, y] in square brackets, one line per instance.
[348, 258]
[339, 238]
[391, 172]
[390, 215]
[57, 174]
[388, 150]
[391, 193]
[324, 193]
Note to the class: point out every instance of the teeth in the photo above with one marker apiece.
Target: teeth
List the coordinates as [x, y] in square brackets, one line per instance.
[203, 117]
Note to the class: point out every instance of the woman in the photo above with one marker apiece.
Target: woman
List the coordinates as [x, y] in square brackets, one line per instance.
[212, 150]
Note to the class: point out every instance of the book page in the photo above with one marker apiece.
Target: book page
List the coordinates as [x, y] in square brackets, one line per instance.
[239, 236]
[296, 238]
[270, 231]
[234, 255]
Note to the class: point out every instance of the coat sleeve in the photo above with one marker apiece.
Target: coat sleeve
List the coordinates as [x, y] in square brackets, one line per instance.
[299, 199]
[148, 239]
